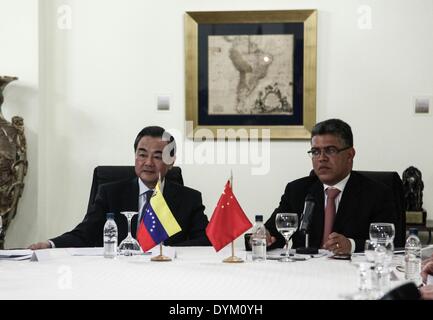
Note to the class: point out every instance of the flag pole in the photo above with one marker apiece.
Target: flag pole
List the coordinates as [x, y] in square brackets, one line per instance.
[160, 257]
[232, 258]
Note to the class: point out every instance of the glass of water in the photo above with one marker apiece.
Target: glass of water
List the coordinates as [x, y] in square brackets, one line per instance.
[382, 232]
[286, 224]
[129, 246]
[369, 250]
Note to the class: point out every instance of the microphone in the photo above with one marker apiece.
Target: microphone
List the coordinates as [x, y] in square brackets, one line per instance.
[308, 213]
[307, 216]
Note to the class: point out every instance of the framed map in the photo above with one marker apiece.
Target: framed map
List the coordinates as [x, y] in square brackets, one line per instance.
[251, 70]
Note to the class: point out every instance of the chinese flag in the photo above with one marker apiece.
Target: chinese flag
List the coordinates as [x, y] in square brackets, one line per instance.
[228, 220]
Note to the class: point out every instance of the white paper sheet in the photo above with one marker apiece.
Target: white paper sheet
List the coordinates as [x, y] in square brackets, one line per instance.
[20, 254]
[98, 251]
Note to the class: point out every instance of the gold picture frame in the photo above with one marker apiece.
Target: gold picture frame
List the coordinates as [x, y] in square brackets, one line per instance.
[223, 60]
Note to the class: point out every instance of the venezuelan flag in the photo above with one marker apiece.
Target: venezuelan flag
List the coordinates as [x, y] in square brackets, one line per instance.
[157, 222]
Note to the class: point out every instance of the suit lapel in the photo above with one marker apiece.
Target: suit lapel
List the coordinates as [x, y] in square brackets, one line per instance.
[170, 196]
[316, 191]
[348, 203]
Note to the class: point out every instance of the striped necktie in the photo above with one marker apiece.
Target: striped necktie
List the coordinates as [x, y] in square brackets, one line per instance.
[147, 196]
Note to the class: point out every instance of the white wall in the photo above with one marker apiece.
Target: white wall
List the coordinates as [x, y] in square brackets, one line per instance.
[99, 81]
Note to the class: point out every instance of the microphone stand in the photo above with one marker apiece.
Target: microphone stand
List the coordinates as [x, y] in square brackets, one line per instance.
[307, 249]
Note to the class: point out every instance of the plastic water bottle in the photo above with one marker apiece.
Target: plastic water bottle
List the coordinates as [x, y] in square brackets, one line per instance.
[110, 237]
[258, 240]
[412, 256]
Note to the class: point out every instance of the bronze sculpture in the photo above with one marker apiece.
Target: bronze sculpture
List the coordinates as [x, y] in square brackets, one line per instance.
[13, 163]
[413, 187]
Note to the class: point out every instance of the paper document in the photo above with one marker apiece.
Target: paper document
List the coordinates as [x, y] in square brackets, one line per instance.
[98, 251]
[277, 254]
[427, 252]
[21, 254]
[49, 254]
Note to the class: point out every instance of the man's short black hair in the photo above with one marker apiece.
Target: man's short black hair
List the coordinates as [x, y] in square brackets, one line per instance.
[156, 132]
[335, 127]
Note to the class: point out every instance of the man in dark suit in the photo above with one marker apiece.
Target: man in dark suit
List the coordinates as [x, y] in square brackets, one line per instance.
[357, 200]
[154, 156]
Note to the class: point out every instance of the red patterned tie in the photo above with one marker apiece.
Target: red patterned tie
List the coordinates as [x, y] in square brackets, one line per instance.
[330, 211]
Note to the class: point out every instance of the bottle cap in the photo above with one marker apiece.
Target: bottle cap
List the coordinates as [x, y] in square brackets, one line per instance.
[413, 231]
[110, 215]
[259, 218]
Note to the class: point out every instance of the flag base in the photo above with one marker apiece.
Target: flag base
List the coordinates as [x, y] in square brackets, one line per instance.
[160, 258]
[233, 259]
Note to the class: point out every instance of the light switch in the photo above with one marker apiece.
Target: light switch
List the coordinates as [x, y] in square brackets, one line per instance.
[163, 103]
[422, 105]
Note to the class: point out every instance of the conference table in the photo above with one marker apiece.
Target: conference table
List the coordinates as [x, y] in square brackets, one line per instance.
[196, 273]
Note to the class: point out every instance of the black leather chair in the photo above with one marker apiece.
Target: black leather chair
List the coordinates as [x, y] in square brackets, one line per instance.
[105, 174]
[393, 181]
[407, 291]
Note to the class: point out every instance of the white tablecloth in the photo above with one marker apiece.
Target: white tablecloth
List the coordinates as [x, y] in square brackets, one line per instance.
[196, 273]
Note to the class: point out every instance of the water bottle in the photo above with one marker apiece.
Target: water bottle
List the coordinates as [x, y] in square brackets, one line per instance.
[412, 257]
[110, 237]
[258, 240]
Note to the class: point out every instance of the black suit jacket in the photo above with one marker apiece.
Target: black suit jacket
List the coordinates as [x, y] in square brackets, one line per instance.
[185, 204]
[363, 201]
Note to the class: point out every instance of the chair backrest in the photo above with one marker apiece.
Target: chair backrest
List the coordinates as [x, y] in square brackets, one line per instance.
[406, 291]
[393, 181]
[106, 174]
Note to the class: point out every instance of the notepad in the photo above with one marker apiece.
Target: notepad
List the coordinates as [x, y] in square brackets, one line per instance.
[20, 254]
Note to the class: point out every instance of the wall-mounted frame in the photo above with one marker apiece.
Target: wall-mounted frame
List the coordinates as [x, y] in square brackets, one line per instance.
[251, 70]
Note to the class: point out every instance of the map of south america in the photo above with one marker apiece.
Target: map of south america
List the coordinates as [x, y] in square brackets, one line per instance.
[250, 74]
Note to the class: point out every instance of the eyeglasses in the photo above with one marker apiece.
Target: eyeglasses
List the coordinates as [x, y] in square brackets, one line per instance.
[328, 151]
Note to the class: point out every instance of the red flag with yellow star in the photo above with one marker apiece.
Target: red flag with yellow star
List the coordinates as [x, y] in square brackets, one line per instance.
[228, 220]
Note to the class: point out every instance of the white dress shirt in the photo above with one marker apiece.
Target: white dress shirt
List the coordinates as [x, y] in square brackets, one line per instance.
[340, 186]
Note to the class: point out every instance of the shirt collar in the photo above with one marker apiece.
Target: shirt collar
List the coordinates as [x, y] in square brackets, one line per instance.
[142, 188]
[340, 185]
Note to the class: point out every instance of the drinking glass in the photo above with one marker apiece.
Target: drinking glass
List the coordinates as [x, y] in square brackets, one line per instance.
[381, 272]
[286, 224]
[382, 232]
[129, 246]
[369, 250]
[364, 291]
